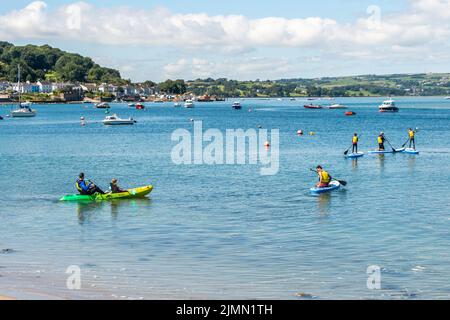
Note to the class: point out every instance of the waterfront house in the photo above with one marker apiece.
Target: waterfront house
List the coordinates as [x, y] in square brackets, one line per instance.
[26, 87]
[89, 87]
[45, 87]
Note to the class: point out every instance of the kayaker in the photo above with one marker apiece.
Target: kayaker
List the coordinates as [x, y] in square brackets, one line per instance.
[115, 187]
[355, 141]
[86, 187]
[412, 138]
[381, 140]
[324, 178]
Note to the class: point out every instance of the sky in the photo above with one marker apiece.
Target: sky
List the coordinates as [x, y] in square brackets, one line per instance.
[243, 40]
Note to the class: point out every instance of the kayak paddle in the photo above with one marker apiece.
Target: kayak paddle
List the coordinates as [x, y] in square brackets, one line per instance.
[344, 183]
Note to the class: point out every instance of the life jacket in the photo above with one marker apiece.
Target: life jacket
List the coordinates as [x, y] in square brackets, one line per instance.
[355, 140]
[380, 140]
[77, 185]
[325, 177]
[411, 134]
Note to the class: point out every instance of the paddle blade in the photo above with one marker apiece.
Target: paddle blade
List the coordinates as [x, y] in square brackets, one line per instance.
[344, 183]
[346, 153]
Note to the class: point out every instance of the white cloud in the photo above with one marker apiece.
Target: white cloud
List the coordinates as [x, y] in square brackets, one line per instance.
[402, 35]
[425, 22]
[229, 68]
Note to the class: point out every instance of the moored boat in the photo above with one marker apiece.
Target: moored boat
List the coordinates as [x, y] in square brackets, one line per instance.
[388, 106]
[114, 120]
[337, 106]
[140, 106]
[102, 105]
[24, 110]
[237, 105]
[189, 104]
[311, 106]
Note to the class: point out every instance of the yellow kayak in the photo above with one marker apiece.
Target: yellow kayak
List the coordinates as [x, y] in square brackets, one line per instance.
[130, 194]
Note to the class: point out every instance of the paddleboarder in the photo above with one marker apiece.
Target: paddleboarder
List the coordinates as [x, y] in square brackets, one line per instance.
[412, 138]
[324, 177]
[381, 140]
[355, 141]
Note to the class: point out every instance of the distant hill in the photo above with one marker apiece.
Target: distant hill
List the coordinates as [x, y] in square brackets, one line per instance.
[429, 84]
[47, 63]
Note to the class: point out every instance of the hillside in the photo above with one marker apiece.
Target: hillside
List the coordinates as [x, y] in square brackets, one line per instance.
[355, 86]
[47, 63]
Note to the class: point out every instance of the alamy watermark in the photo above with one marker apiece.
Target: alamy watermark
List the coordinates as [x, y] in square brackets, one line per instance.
[374, 279]
[234, 147]
[73, 282]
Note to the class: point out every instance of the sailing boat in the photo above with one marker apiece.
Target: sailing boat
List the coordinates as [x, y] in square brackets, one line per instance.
[24, 110]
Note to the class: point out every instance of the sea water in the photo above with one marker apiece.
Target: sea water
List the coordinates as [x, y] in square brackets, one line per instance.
[225, 231]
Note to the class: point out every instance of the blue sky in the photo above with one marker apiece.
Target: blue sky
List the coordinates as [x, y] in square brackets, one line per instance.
[240, 39]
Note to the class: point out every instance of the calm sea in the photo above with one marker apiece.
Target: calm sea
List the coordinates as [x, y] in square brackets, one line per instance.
[226, 232]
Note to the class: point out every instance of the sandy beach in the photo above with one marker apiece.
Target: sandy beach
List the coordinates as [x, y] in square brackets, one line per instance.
[6, 298]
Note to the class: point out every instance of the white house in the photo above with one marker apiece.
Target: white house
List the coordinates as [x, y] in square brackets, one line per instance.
[130, 90]
[26, 87]
[45, 87]
[107, 88]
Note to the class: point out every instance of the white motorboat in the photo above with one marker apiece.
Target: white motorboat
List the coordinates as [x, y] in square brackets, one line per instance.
[114, 120]
[102, 105]
[337, 106]
[189, 104]
[237, 106]
[388, 106]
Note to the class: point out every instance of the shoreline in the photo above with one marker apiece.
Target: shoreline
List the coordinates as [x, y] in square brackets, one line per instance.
[300, 98]
[5, 298]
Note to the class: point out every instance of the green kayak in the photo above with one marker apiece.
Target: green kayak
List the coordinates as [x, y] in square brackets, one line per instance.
[130, 194]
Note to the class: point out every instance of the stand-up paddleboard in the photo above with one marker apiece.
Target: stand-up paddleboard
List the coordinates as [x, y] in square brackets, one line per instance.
[355, 155]
[411, 151]
[387, 151]
[334, 185]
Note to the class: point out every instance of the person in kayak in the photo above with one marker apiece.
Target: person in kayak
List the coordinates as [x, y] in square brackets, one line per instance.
[115, 187]
[86, 187]
[381, 140]
[355, 141]
[412, 138]
[324, 178]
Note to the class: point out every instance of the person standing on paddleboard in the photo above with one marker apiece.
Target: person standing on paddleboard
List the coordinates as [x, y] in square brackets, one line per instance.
[355, 141]
[324, 178]
[86, 187]
[412, 138]
[381, 140]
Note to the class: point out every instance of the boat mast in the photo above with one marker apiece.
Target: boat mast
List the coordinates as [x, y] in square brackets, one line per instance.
[18, 82]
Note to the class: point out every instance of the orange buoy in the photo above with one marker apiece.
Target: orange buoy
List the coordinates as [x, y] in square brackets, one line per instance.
[350, 113]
